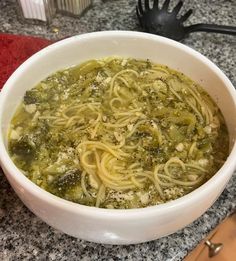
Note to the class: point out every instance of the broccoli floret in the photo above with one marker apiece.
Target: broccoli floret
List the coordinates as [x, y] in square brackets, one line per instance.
[63, 184]
[38, 95]
[31, 96]
[70, 178]
[24, 147]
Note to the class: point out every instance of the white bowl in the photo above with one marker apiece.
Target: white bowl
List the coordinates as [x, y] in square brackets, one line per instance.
[106, 225]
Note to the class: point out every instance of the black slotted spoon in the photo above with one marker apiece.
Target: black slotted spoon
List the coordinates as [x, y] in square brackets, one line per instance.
[162, 22]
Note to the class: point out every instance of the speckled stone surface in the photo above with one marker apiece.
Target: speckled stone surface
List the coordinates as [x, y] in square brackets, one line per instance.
[25, 237]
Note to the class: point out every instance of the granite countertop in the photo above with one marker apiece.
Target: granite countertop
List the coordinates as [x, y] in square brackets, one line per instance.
[23, 236]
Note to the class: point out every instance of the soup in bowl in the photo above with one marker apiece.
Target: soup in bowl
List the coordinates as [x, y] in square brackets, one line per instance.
[116, 136]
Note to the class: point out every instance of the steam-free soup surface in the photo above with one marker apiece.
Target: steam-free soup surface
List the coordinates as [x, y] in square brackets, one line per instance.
[118, 133]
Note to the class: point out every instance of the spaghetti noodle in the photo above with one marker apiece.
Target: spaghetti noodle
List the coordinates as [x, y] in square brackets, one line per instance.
[118, 133]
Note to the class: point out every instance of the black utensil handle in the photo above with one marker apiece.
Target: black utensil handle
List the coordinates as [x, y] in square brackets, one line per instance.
[213, 28]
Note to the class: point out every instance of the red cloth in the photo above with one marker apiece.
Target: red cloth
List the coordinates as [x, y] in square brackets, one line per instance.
[14, 50]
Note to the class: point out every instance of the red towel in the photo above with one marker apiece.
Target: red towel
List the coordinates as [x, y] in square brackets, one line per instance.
[14, 50]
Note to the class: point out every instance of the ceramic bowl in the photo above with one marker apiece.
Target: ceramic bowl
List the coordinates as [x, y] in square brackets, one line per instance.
[107, 225]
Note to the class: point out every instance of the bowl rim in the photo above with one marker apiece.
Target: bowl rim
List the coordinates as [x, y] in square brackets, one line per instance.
[8, 165]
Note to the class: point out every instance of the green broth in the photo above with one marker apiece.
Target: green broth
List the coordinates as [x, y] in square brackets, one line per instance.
[118, 133]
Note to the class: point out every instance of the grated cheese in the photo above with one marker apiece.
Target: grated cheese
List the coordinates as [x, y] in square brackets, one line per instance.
[30, 108]
[130, 127]
[203, 162]
[192, 177]
[207, 129]
[14, 135]
[124, 62]
[179, 147]
[144, 197]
